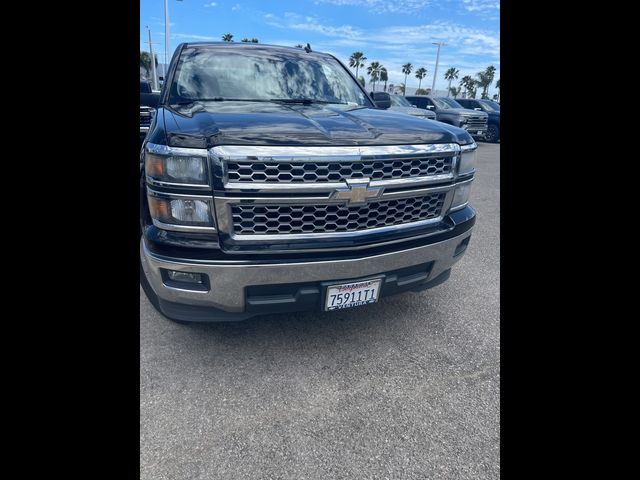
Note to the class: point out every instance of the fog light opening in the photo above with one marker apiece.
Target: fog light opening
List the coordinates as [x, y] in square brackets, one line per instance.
[186, 277]
[185, 280]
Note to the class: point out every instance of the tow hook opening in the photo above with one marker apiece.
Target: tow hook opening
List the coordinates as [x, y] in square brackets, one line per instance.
[462, 246]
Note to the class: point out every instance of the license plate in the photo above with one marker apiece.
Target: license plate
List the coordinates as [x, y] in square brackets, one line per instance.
[352, 294]
[479, 132]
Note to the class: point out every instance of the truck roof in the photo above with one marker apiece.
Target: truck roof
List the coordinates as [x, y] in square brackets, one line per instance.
[252, 45]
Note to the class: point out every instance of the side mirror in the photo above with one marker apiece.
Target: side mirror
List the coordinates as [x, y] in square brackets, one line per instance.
[381, 99]
[430, 107]
[478, 108]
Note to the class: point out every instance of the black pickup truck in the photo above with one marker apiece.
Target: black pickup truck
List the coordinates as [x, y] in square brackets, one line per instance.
[271, 182]
[492, 109]
[148, 104]
[447, 110]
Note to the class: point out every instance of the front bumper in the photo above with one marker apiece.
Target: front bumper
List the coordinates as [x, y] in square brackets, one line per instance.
[476, 131]
[239, 291]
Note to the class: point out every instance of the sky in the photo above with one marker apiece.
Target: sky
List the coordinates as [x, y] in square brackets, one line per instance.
[392, 32]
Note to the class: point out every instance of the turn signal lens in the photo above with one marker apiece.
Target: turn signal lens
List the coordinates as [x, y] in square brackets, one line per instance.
[180, 211]
[461, 195]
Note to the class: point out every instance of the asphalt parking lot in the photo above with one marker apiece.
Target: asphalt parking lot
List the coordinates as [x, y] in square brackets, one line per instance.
[408, 388]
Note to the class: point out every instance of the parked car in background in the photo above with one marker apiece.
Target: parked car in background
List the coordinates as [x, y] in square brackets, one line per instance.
[148, 103]
[401, 104]
[295, 192]
[449, 111]
[492, 109]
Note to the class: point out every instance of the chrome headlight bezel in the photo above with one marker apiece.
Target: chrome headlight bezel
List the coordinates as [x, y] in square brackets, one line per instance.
[162, 208]
[162, 164]
[461, 195]
[467, 163]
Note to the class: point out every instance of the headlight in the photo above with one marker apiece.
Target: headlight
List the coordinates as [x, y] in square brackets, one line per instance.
[461, 196]
[180, 212]
[176, 166]
[467, 159]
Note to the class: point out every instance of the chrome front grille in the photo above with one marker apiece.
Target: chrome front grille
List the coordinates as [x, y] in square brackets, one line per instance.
[270, 195]
[476, 122]
[299, 219]
[336, 171]
[145, 118]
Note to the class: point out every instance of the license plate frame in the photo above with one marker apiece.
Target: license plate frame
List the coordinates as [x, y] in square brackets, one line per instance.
[349, 290]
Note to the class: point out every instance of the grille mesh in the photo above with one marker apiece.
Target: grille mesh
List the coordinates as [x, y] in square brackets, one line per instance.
[292, 219]
[323, 172]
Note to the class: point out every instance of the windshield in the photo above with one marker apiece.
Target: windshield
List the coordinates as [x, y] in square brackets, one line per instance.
[490, 105]
[443, 102]
[262, 74]
[400, 101]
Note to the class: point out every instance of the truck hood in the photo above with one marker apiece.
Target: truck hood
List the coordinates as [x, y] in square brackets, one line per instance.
[416, 112]
[204, 125]
[465, 112]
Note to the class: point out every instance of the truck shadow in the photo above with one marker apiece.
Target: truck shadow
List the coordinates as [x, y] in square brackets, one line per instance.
[285, 337]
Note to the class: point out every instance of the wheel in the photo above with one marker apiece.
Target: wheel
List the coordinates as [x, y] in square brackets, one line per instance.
[493, 134]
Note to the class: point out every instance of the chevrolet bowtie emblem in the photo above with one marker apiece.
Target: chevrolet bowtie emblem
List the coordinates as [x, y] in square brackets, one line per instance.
[357, 192]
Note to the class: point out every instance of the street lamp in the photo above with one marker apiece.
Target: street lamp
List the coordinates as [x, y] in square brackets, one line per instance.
[166, 34]
[435, 72]
[153, 61]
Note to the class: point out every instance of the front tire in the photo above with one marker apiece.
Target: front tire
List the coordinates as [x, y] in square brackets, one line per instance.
[493, 134]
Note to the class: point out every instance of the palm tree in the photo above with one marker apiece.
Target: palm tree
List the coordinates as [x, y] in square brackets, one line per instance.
[227, 37]
[406, 69]
[145, 61]
[299, 46]
[472, 89]
[356, 60]
[254, 40]
[485, 79]
[384, 77]
[245, 40]
[454, 91]
[374, 72]
[467, 83]
[402, 88]
[420, 74]
[362, 81]
[498, 87]
[450, 75]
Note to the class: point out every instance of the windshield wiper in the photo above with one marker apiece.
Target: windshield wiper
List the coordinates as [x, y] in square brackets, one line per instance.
[303, 101]
[306, 101]
[218, 99]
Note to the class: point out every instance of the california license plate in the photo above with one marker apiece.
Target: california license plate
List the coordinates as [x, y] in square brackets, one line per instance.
[350, 295]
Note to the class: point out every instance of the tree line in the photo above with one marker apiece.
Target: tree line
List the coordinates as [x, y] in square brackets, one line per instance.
[228, 37]
[483, 79]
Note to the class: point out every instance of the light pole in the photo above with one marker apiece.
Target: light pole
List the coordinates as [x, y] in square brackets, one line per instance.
[435, 72]
[166, 32]
[166, 35]
[154, 76]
